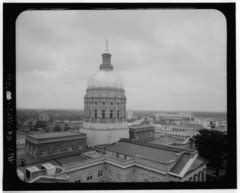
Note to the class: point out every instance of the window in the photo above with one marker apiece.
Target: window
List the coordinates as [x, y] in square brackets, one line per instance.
[70, 147]
[58, 149]
[100, 173]
[95, 114]
[103, 114]
[118, 114]
[44, 152]
[110, 173]
[95, 103]
[79, 146]
[129, 177]
[118, 103]
[103, 103]
[89, 177]
[111, 114]
[118, 176]
[111, 103]
[89, 113]
[78, 181]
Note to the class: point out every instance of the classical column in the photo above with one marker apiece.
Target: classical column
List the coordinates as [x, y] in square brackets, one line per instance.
[200, 176]
[204, 175]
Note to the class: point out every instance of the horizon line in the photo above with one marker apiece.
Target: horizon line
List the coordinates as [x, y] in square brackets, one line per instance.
[126, 110]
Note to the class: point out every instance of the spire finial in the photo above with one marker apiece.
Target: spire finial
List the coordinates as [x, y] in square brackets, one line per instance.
[106, 44]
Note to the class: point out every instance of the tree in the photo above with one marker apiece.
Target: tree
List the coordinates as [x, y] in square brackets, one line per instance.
[57, 128]
[212, 145]
[66, 127]
[40, 124]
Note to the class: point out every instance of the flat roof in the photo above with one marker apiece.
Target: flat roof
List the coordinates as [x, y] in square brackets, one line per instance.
[133, 127]
[92, 154]
[166, 139]
[38, 165]
[55, 134]
[152, 151]
[33, 169]
[48, 165]
[71, 159]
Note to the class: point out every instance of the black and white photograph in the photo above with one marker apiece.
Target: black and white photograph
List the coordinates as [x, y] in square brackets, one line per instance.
[121, 96]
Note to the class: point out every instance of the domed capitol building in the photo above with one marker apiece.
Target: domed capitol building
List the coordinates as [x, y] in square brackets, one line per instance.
[105, 105]
[120, 153]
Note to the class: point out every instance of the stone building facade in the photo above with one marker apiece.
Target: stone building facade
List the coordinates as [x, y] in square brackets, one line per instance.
[49, 144]
[128, 161]
[141, 132]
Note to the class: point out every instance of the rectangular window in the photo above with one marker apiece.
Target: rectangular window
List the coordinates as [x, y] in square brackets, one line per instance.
[118, 176]
[44, 153]
[95, 114]
[103, 114]
[110, 173]
[111, 114]
[131, 135]
[129, 177]
[89, 177]
[89, 115]
[118, 114]
[100, 173]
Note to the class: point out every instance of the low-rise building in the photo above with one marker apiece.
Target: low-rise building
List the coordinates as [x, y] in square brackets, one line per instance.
[183, 130]
[128, 161]
[49, 144]
[141, 132]
[44, 117]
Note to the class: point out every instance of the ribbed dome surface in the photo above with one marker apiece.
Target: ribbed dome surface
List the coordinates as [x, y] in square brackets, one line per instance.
[105, 79]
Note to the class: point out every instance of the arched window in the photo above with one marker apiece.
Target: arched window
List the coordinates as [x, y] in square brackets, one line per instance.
[44, 151]
[69, 147]
[58, 149]
[79, 145]
[22, 162]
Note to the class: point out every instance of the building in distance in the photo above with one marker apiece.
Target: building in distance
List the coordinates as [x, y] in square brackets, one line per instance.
[44, 117]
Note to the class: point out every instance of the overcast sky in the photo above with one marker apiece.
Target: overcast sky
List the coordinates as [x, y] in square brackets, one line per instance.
[168, 59]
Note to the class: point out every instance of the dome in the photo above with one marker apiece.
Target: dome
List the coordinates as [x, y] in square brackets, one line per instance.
[105, 79]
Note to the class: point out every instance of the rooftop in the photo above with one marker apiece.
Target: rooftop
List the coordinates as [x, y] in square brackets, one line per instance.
[48, 165]
[56, 134]
[197, 163]
[166, 140]
[133, 127]
[33, 169]
[71, 159]
[152, 151]
[177, 168]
